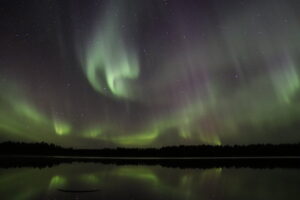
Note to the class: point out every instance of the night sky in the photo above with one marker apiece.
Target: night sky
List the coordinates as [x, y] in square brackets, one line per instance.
[149, 73]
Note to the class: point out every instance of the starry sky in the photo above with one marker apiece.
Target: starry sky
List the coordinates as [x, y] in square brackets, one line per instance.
[134, 73]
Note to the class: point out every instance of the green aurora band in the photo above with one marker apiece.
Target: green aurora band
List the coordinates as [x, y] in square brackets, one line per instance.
[228, 79]
[109, 55]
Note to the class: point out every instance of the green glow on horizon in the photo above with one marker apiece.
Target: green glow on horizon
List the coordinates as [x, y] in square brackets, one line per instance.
[137, 139]
[61, 127]
[92, 132]
[211, 139]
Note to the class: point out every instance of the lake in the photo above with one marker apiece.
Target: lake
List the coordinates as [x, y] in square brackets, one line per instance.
[110, 181]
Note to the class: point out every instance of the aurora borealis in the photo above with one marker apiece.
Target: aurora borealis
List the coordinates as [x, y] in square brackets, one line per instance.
[99, 73]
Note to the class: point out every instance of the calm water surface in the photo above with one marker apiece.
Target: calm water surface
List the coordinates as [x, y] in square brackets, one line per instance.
[147, 182]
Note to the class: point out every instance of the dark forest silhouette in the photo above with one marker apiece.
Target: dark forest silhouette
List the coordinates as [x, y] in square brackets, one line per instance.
[257, 150]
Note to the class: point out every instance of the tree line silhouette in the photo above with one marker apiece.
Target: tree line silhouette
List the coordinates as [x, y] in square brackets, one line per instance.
[255, 150]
